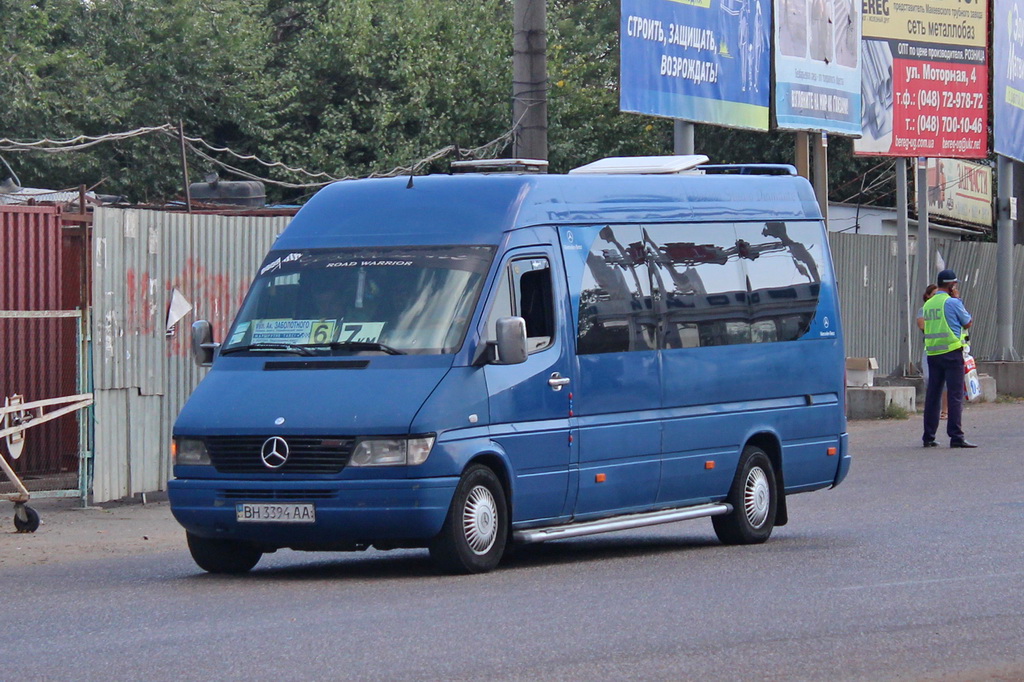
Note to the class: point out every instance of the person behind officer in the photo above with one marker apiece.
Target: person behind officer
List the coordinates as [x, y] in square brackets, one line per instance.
[945, 320]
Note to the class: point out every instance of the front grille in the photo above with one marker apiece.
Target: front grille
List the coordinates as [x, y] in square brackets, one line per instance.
[275, 494]
[241, 454]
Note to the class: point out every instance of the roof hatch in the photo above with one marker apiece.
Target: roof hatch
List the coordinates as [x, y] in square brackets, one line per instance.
[642, 165]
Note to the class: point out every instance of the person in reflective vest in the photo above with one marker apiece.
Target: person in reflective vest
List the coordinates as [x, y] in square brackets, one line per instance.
[945, 323]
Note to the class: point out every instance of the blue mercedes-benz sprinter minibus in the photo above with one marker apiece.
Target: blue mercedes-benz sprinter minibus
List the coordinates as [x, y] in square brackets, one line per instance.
[462, 362]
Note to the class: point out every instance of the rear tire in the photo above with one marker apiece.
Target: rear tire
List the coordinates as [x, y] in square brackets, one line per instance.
[754, 500]
[222, 556]
[475, 531]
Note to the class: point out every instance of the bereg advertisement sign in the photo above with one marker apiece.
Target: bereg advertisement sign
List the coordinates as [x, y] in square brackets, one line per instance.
[924, 79]
[1008, 79]
[699, 60]
[817, 65]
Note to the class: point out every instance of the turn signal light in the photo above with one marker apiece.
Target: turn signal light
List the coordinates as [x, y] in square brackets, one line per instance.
[710, 464]
[832, 451]
[600, 478]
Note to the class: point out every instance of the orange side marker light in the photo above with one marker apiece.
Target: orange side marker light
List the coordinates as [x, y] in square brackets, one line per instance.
[832, 451]
[710, 464]
[600, 478]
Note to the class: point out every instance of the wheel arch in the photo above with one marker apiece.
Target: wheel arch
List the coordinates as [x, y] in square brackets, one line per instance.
[497, 464]
[771, 445]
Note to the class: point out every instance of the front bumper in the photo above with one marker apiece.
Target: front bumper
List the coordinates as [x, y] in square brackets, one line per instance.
[347, 512]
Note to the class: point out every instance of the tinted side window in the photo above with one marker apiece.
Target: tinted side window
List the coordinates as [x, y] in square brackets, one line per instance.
[617, 307]
[783, 270]
[705, 299]
[690, 285]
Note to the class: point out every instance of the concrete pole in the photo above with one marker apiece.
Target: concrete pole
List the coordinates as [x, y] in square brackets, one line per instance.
[530, 79]
[682, 137]
[1004, 263]
[821, 172]
[904, 309]
[924, 272]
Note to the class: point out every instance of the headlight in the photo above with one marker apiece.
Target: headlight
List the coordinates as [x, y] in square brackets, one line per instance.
[190, 452]
[387, 452]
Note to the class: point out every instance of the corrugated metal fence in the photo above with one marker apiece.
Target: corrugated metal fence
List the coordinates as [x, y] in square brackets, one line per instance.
[142, 375]
[866, 272]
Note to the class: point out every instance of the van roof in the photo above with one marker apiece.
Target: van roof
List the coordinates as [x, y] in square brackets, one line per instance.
[479, 209]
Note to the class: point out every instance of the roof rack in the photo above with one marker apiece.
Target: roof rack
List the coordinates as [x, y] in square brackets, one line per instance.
[642, 165]
[500, 166]
[750, 169]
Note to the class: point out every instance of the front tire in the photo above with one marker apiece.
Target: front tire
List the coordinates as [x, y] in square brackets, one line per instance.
[754, 500]
[222, 556]
[475, 531]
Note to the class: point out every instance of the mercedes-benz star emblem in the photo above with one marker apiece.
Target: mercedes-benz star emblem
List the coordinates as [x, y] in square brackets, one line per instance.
[274, 452]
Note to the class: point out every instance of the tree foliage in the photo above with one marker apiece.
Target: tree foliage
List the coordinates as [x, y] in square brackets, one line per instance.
[347, 87]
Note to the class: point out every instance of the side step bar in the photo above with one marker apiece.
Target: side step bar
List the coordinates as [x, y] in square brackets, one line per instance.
[572, 530]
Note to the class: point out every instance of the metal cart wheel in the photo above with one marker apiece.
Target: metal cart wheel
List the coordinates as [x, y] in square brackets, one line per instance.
[26, 519]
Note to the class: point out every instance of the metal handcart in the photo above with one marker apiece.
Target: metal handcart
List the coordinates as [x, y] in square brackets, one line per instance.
[16, 417]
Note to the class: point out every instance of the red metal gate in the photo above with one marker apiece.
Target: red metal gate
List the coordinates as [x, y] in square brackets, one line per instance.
[39, 353]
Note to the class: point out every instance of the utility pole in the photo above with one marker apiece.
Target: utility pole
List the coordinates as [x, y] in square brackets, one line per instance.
[904, 353]
[925, 276]
[530, 79]
[1004, 260]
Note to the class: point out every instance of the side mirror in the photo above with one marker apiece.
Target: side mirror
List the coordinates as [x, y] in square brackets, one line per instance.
[511, 332]
[203, 346]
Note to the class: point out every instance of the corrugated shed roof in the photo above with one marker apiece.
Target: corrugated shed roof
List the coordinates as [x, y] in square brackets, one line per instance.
[25, 194]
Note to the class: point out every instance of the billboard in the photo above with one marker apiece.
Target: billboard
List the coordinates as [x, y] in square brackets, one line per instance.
[1008, 79]
[924, 77]
[960, 190]
[817, 65]
[700, 60]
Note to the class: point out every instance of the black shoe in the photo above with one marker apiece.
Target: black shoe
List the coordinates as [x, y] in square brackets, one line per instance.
[930, 444]
[961, 444]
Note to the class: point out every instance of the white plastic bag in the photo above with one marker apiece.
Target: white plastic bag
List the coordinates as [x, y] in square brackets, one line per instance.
[972, 384]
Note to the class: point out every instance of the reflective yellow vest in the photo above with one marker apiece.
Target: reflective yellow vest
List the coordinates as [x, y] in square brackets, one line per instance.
[938, 337]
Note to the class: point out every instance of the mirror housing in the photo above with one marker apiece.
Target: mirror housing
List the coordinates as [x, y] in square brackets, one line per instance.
[203, 346]
[511, 346]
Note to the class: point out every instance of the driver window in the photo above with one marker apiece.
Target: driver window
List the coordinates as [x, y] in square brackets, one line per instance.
[525, 290]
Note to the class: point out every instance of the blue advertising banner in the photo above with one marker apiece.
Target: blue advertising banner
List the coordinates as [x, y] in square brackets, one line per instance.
[817, 65]
[699, 60]
[1008, 78]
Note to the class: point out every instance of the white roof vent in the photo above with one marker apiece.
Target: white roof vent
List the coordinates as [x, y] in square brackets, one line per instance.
[640, 165]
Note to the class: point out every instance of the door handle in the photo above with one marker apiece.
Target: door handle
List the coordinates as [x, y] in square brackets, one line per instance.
[557, 381]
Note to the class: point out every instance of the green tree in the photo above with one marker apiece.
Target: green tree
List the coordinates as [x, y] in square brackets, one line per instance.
[349, 87]
[375, 84]
[585, 123]
[81, 68]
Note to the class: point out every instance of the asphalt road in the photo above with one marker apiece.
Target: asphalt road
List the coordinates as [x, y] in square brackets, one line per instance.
[910, 570]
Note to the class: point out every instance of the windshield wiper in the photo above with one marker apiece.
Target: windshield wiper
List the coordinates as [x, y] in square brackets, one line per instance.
[356, 345]
[286, 347]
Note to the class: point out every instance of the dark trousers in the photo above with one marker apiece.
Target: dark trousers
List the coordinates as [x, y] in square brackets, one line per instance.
[945, 370]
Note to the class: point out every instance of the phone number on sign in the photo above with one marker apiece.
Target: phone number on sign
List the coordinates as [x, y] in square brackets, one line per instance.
[933, 99]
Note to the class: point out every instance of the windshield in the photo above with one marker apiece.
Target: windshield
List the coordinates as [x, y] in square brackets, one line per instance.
[413, 299]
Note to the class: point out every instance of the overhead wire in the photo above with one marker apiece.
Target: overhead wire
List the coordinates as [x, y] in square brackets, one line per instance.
[76, 143]
[197, 145]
